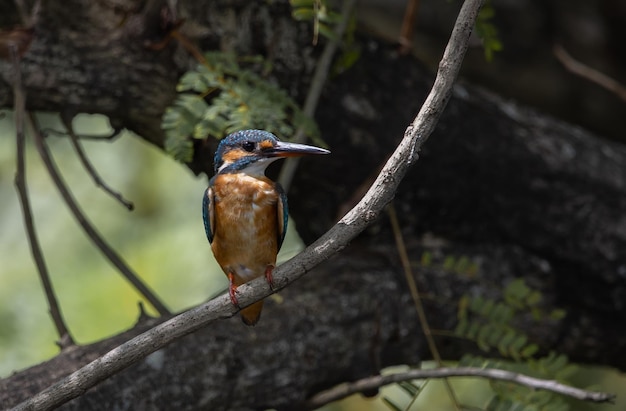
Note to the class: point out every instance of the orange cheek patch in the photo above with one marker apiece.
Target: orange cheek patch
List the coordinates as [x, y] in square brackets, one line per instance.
[233, 155]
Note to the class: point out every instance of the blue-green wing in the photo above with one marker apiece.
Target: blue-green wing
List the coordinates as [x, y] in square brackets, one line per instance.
[283, 215]
[208, 211]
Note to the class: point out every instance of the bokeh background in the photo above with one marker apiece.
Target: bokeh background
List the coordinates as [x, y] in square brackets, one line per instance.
[163, 240]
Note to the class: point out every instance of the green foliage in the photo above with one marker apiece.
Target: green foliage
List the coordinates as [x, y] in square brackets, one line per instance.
[324, 21]
[487, 31]
[222, 97]
[392, 405]
[489, 323]
[411, 388]
[508, 396]
[461, 265]
[320, 13]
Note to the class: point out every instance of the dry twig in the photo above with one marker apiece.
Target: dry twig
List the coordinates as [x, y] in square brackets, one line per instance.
[589, 73]
[417, 300]
[377, 381]
[408, 25]
[89, 229]
[67, 122]
[19, 106]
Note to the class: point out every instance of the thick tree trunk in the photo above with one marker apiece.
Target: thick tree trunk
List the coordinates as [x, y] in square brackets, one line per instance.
[519, 194]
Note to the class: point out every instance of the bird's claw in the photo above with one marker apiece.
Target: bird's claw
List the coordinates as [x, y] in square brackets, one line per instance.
[232, 291]
[268, 276]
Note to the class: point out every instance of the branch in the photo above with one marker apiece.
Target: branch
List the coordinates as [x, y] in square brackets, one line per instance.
[65, 339]
[377, 381]
[330, 243]
[91, 232]
[589, 73]
[417, 299]
[67, 122]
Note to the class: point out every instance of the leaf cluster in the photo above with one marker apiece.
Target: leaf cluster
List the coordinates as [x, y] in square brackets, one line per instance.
[222, 96]
[487, 31]
[490, 324]
[325, 20]
[461, 265]
[320, 13]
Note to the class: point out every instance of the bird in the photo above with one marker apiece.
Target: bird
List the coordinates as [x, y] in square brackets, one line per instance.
[245, 213]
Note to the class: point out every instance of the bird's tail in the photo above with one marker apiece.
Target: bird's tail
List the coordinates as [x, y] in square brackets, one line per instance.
[251, 314]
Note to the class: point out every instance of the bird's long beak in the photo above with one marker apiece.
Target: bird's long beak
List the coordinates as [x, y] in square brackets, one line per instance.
[284, 149]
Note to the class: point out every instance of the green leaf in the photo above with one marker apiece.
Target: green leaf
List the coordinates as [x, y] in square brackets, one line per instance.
[393, 406]
[560, 361]
[410, 388]
[427, 259]
[486, 309]
[462, 265]
[505, 342]
[516, 346]
[472, 332]
[516, 292]
[303, 14]
[462, 310]
[529, 350]
[302, 3]
[557, 314]
[494, 337]
[448, 263]
[533, 298]
[476, 304]
[501, 314]
[481, 338]
[499, 404]
[564, 373]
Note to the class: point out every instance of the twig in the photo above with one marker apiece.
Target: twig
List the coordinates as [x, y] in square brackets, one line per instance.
[417, 299]
[408, 25]
[67, 122]
[65, 339]
[91, 232]
[589, 73]
[24, 15]
[353, 223]
[345, 390]
[315, 91]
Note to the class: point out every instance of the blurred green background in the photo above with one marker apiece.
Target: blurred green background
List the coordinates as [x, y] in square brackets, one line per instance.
[163, 241]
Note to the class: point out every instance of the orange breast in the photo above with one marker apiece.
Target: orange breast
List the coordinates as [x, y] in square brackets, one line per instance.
[245, 239]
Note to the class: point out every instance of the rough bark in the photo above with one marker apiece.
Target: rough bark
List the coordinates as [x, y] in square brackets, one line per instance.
[520, 194]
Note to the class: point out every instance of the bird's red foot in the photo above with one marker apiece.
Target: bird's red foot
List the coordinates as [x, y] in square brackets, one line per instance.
[268, 276]
[232, 290]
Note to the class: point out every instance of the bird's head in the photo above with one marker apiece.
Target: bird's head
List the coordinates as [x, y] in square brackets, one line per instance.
[251, 151]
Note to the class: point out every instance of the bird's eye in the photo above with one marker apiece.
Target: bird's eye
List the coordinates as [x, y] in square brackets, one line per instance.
[249, 146]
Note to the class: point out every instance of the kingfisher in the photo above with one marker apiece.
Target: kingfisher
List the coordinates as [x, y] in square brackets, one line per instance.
[245, 213]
